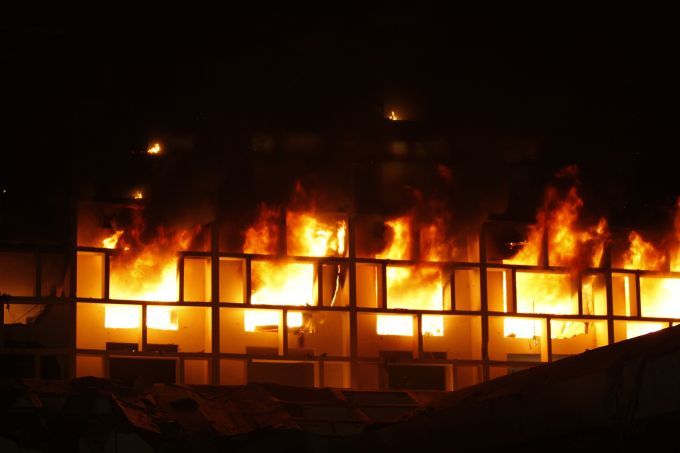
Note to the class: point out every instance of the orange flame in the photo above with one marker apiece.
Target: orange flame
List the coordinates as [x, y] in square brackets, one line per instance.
[642, 254]
[551, 293]
[284, 283]
[409, 287]
[263, 236]
[308, 236]
[434, 244]
[398, 247]
[566, 244]
[675, 254]
[145, 271]
[154, 149]
[122, 317]
[148, 271]
[110, 242]
[660, 296]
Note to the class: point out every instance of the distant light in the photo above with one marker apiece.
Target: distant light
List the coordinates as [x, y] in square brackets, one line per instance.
[4, 190]
[393, 116]
[154, 149]
[138, 195]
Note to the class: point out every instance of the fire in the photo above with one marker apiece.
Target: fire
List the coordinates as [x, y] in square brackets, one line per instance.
[566, 244]
[255, 320]
[409, 287]
[308, 236]
[596, 238]
[138, 195]
[660, 295]
[434, 244]
[393, 116]
[554, 293]
[263, 236]
[154, 149]
[162, 318]
[635, 329]
[145, 271]
[276, 282]
[642, 254]
[280, 283]
[395, 325]
[675, 253]
[399, 245]
[129, 317]
[111, 241]
[122, 317]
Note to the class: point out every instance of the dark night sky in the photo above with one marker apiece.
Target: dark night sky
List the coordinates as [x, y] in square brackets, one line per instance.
[82, 98]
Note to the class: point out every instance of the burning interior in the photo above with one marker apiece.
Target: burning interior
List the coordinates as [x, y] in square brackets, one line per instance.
[315, 298]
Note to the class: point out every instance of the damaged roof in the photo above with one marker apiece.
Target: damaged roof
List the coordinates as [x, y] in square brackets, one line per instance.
[620, 396]
[187, 412]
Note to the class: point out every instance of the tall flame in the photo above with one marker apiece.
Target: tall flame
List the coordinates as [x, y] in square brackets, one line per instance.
[642, 254]
[276, 282]
[660, 295]
[145, 271]
[263, 236]
[434, 244]
[541, 292]
[566, 244]
[409, 287]
[675, 253]
[308, 236]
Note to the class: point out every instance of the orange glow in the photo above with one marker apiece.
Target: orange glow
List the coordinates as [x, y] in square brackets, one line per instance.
[675, 252]
[409, 287]
[263, 236]
[122, 316]
[128, 317]
[138, 195]
[111, 241]
[523, 328]
[146, 270]
[393, 116]
[150, 273]
[162, 318]
[551, 293]
[398, 246]
[660, 296]
[154, 149]
[597, 237]
[642, 254]
[434, 244]
[394, 325]
[635, 329]
[402, 325]
[282, 283]
[256, 320]
[277, 282]
[566, 244]
[308, 236]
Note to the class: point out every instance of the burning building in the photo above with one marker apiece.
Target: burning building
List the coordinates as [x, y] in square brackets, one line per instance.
[319, 299]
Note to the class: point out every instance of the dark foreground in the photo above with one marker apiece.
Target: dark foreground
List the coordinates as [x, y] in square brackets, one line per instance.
[623, 397]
